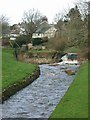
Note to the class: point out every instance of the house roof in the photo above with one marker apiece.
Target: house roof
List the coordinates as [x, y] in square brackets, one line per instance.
[43, 27]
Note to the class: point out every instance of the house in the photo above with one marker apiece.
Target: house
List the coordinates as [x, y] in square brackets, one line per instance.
[17, 30]
[44, 30]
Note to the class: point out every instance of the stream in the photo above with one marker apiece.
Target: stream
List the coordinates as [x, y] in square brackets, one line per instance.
[39, 99]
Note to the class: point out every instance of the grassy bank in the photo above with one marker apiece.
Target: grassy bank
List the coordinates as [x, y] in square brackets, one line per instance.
[75, 102]
[12, 70]
[42, 51]
[72, 49]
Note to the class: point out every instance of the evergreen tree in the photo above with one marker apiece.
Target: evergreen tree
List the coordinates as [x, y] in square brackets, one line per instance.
[74, 27]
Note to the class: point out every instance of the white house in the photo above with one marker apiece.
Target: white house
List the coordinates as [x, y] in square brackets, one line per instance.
[17, 30]
[44, 30]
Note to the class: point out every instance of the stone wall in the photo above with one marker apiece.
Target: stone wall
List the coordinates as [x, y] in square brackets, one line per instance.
[42, 58]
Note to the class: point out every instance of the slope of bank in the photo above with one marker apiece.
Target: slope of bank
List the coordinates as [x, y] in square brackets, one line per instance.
[75, 102]
[15, 74]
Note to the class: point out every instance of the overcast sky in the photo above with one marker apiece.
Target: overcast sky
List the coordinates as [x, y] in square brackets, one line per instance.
[14, 9]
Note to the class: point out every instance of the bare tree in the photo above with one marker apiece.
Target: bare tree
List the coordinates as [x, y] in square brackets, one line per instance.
[31, 20]
[84, 7]
[0, 29]
[4, 24]
[60, 43]
[58, 16]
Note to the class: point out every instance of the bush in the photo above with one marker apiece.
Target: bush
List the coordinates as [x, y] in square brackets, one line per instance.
[84, 54]
[23, 39]
[38, 41]
[5, 41]
[57, 43]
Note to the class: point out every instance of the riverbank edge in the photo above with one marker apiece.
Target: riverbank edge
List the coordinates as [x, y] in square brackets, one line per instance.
[40, 57]
[68, 112]
[12, 89]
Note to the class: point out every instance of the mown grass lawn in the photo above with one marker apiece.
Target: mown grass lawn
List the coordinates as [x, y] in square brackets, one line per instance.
[72, 49]
[12, 70]
[75, 102]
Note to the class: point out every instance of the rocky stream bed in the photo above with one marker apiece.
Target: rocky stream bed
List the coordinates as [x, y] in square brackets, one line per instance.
[39, 99]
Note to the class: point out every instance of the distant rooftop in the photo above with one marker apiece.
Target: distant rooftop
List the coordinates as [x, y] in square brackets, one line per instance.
[44, 19]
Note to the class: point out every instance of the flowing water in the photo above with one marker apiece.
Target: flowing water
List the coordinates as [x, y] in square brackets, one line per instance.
[39, 99]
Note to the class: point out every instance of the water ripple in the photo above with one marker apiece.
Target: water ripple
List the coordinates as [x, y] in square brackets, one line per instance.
[39, 99]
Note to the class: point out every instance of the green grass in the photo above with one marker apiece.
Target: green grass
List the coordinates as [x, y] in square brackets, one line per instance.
[72, 49]
[12, 70]
[75, 102]
[42, 51]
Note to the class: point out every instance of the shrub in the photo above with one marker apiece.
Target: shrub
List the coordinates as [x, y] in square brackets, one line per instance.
[5, 41]
[59, 44]
[23, 39]
[38, 41]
